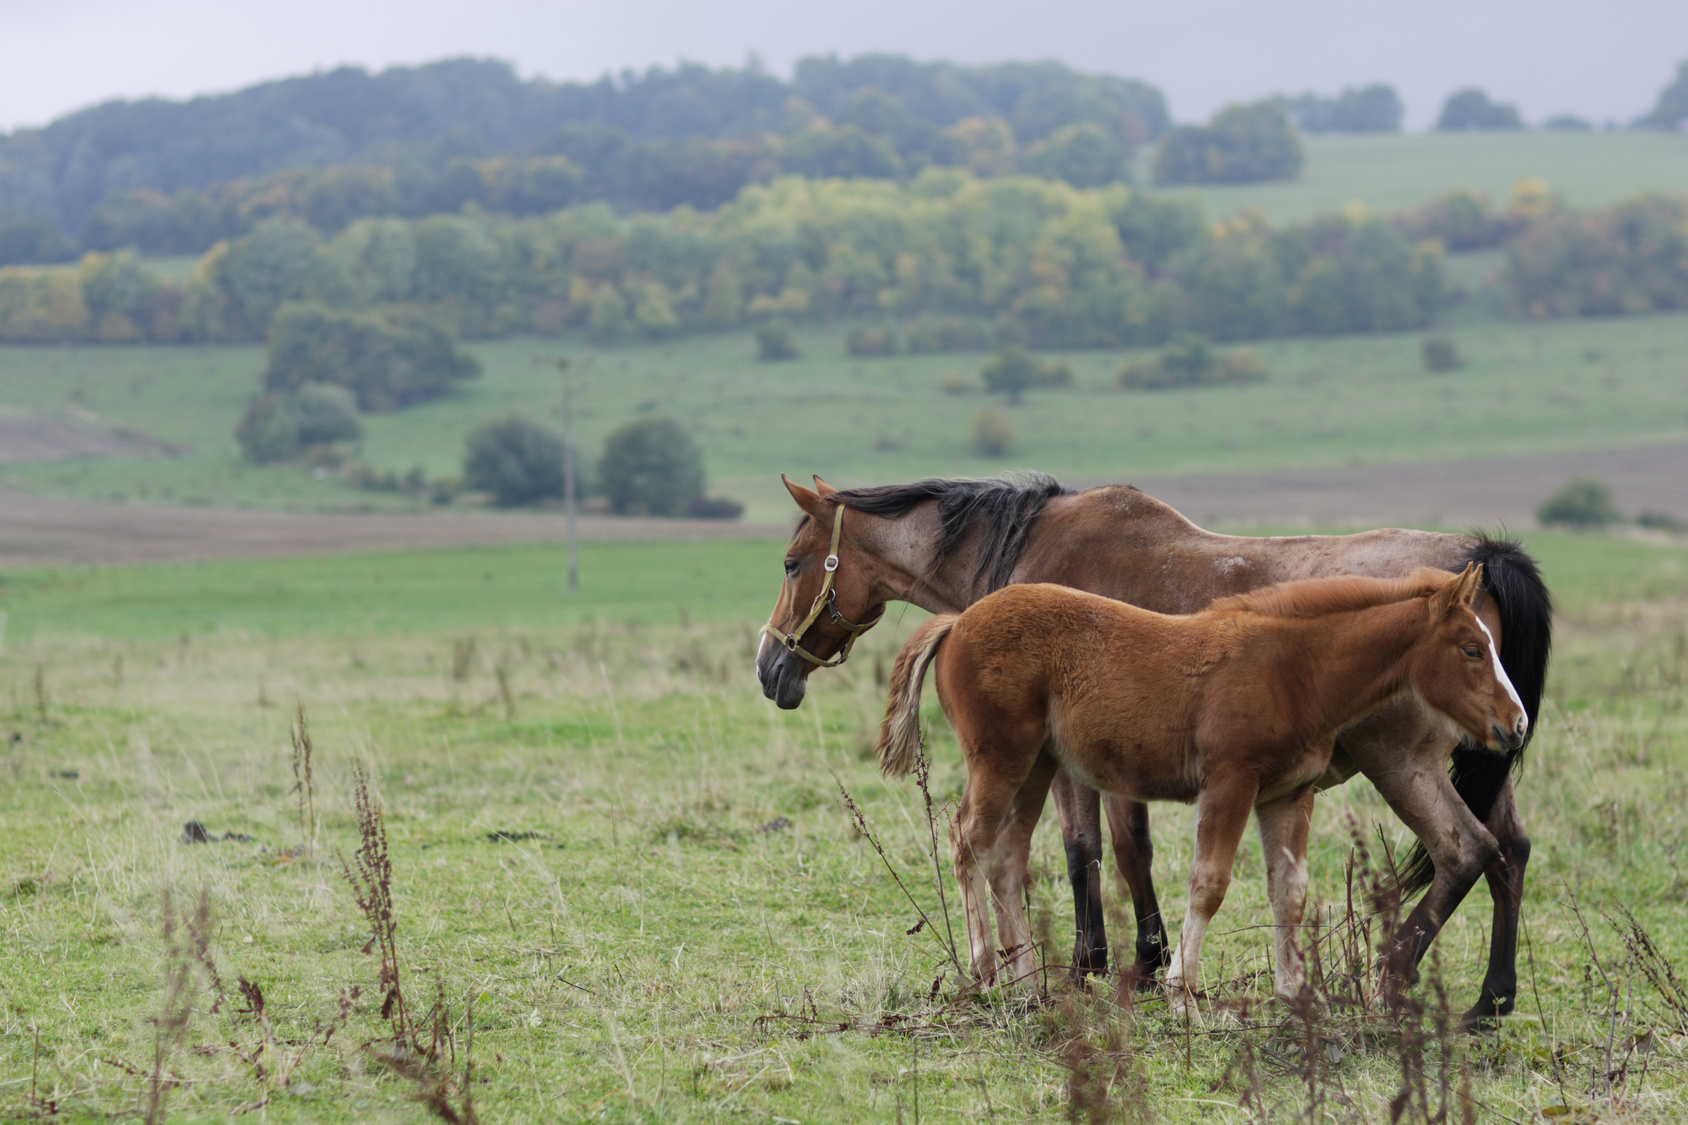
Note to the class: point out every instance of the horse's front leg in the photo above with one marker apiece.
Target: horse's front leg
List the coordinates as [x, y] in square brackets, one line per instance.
[1134, 854]
[1284, 824]
[1506, 887]
[1080, 810]
[1418, 789]
[1221, 816]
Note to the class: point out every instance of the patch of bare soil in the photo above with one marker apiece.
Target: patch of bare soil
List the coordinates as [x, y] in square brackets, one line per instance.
[27, 437]
[1501, 491]
[38, 530]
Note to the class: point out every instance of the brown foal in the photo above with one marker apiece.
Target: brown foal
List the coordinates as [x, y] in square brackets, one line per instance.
[1235, 708]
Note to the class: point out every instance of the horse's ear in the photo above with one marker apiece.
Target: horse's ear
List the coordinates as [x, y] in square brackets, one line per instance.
[807, 500]
[1459, 591]
[822, 488]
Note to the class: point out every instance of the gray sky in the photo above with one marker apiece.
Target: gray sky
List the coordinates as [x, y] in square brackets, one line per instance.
[1600, 60]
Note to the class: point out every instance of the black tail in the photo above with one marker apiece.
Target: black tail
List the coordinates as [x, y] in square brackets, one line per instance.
[1526, 637]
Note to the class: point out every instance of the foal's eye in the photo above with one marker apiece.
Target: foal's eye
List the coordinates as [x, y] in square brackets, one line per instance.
[790, 567]
[1473, 652]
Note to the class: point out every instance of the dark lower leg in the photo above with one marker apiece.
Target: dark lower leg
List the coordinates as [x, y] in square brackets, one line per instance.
[1134, 853]
[1506, 886]
[1079, 808]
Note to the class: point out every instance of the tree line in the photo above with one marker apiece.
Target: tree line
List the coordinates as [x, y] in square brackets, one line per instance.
[955, 261]
[963, 261]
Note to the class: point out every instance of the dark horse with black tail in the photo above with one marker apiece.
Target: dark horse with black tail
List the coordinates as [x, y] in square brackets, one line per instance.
[944, 544]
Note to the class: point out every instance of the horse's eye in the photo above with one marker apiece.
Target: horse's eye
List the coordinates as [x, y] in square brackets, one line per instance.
[1473, 652]
[790, 567]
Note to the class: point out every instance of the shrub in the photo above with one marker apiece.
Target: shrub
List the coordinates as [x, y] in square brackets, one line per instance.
[1013, 370]
[1242, 144]
[518, 460]
[1471, 109]
[386, 361]
[714, 508]
[325, 414]
[930, 335]
[651, 466]
[1373, 109]
[993, 432]
[775, 342]
[863, 342]
[1440, 353]
[268, 431]
[1661, 521]
[1582, 502]
[1191, 361]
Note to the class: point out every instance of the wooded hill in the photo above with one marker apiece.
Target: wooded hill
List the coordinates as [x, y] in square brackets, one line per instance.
[174, 177]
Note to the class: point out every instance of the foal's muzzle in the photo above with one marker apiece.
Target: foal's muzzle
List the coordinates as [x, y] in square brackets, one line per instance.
[1514, 738]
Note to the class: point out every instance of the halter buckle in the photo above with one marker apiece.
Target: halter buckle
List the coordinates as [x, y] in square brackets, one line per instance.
[831, 563]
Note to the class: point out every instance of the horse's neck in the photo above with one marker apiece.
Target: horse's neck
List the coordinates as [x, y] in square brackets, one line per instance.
[1351, 662]
[903, 552]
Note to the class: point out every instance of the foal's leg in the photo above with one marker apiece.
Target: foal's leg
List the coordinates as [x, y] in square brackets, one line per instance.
[1506, 887]
[1079, 808]
[998, 764]
[1134, 853]
[1007, 871]
[1221, 816]
[1283, 843]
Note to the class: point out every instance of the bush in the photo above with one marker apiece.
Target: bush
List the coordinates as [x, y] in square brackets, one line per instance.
[651, 467]
[1374, 109]
[930, 335]
[1084, 155]
[714, 508]
[1583, 502]
[775, 342]
[993, 432]
[386, 361]
[325, 414]
[1440, 353]
[1191, 361]
[1471, 109]
[516, 459]
[1013, 370]
[268, 431]
[1242, 144]
[281, 427]
[1661, 521]
[863, 342]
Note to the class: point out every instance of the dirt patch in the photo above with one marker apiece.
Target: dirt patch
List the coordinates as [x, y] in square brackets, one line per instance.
[1455, 494]
[37, 530]
[26, 437]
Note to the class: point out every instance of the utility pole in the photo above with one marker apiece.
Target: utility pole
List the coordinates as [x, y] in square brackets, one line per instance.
[563, 366]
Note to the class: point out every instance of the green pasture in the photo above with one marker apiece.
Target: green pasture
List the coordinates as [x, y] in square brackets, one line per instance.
[1527, 387]
[694, 930]
[1391, 173]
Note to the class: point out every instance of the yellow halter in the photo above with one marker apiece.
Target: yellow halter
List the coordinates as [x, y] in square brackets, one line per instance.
[825, 601]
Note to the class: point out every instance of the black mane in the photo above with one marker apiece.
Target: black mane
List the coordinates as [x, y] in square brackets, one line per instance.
[999, 509]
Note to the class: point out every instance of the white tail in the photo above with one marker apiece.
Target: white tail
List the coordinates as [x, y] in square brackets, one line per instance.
[899, 734]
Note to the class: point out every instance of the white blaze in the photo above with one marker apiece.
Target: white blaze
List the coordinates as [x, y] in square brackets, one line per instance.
[1500, 673]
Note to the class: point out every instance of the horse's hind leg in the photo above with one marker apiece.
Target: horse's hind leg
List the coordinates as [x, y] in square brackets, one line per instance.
[1506, 887]
[1079, 808]
[1221, 816]
[1008, 874]
[1134, 853]
[1283, 844]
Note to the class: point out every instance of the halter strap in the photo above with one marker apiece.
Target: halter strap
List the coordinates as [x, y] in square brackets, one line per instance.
[826, 601]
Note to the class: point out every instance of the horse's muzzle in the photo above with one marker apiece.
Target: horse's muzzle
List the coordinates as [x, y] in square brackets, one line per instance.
[781, 675]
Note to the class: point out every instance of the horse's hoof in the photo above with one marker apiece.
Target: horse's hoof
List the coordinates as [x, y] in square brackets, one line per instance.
[1485, 1015]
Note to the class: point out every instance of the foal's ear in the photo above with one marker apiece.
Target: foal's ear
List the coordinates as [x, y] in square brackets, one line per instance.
[822, 488]
[807, 500]
[1461, 590]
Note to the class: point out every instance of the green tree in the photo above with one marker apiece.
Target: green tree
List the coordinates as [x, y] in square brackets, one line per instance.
[1582, 502]
[1011, 371]
[385, 360]
[776, 342]
[652, 467]
[1671, 110]
[268, 431]
[519, 461]
[1470, 109]
[264, 270]
[1084, 155]
[1242, 144]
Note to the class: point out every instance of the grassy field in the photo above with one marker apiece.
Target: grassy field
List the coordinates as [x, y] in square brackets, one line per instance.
[694, 917]
[1392, 173]
[1526, 388]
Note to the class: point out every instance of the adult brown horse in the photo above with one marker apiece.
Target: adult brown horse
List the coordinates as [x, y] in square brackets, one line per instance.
[943, 544]
[1235, 708]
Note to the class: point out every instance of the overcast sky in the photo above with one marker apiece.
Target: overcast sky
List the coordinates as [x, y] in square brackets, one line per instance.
[1605, 60]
